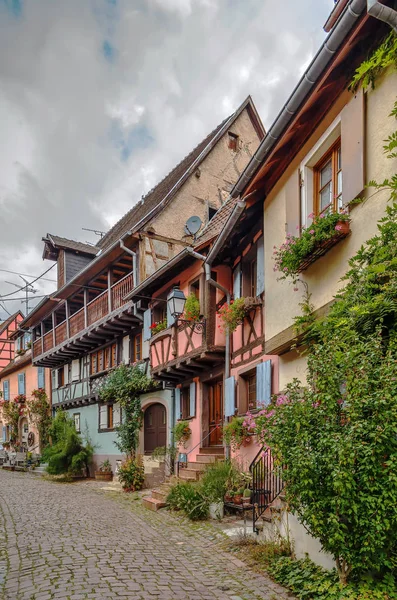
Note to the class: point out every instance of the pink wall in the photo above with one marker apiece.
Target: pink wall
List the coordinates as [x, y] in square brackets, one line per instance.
[195, 426]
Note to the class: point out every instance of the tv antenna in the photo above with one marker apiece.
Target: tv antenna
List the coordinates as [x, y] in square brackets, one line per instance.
[29, 289]
[96, 231]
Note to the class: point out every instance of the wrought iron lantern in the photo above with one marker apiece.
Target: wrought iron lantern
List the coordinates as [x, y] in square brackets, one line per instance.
[176, 302]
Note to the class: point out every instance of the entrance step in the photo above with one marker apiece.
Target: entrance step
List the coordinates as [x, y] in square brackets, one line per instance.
[189, 474]
[212, 450]
[153, 503]
[208, 458]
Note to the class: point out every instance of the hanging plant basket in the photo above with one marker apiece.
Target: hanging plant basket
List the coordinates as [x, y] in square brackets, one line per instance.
[323, 247]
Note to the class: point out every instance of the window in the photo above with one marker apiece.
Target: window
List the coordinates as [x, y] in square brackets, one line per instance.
[109, 416]
[251, 390]
[252, 282]
[6, 390]
[60, 377]
[211, 212]
[104, 359]
[136, 348]
[40, 377]
[185, 402]
[76, 418]
[249, 272]
[328, 181]
[21, 383]
[232, 141]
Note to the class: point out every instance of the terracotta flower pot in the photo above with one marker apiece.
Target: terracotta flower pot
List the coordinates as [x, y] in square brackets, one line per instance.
[238, 500]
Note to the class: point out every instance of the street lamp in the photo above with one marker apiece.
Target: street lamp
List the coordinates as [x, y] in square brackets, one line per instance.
[176, 302]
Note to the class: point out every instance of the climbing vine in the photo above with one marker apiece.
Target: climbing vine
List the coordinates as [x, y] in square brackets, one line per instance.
[40, 413]
[12, 411]
[124, 385]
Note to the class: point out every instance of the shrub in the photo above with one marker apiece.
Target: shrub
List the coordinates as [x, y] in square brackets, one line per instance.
[182, 432]
[218, 478]
[67, 452]
[188, 498]
[132, 474]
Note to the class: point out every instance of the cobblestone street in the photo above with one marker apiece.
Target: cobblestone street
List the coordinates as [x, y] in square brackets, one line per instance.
[80, 542]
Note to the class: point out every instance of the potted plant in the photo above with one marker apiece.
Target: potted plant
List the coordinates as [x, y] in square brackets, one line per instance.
[247, 496]
[158, 326]
[182, 432]
[229, 496]
[232, 314]
[238, 497]
[192, 308]
[104, 472]
[132, 474]
[236, 433]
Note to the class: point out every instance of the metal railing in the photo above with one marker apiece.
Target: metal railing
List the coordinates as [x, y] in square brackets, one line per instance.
[183, 464]
[267, 483]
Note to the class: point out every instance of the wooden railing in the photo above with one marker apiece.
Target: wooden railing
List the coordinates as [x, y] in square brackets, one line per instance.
[176, 342]
[60, 333]
[76, 322]
[121, 289]
[98, 308]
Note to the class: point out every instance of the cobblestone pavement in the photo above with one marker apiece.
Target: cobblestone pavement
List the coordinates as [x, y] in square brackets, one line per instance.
[76, 541]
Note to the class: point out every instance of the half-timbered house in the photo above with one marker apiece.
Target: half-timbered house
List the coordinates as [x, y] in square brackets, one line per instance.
[7, 346]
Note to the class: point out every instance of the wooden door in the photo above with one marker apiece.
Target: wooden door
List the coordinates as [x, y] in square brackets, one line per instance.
[155, 427]
[216, 412]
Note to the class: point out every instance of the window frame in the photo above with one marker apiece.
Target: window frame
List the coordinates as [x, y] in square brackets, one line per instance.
[110, 424]
[185, 403]
[136, 341]
[107, 357]
[78, 429]
[332, 154]
[232, 141]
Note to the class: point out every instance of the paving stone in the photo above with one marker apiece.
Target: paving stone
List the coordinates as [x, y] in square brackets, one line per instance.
[78, 542]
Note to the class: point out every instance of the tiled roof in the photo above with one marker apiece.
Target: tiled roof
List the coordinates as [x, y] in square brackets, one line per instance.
[158, 193]
[61, 242]
[17, 364]
[8, 321]
[215, 226]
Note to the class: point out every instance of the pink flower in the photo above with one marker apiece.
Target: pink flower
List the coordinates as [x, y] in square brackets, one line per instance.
[338, 228]
[311, 216]
[340, 401]
[311, 231]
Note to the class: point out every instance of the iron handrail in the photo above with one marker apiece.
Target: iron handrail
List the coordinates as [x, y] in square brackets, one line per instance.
[194, 447]
[267, 483]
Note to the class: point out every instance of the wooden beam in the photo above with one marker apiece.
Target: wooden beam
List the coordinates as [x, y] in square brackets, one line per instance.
[67, 318]
[110, 283]
[85, 307]
[195, 364]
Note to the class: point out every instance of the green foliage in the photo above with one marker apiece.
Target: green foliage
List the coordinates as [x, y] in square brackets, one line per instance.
[182, 432]
[290, 255]
[232, 314]
[125, 384]
[310, 582]
[166, 454]
[12, 411]
[218, 478]
[105, 466]
[40, 413]
[382, 58]
[158, 326]
[235, 433]
[67, 452]
[132, 474]
[188, 498]
[192, 308]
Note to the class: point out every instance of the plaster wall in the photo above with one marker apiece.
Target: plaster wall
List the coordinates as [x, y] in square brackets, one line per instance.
[192, 446]
[323, 277]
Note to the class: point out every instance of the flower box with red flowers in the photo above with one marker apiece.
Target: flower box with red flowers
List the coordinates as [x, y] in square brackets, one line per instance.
[20, 399]
[296, 254]
[158, 326]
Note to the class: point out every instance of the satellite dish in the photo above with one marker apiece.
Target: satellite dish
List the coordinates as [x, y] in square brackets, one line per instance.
[192, 226]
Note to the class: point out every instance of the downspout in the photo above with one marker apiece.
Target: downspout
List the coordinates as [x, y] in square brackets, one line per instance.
[133, 254]
[208, 260]
[383, 13]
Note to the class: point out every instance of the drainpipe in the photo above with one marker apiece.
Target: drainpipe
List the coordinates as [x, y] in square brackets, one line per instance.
[383, 13]
[133, 254]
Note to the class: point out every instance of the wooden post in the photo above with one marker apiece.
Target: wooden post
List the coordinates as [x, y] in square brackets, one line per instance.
[42, 337]
[110, 283]
[85, 307]
[67, 319]
[53, 329]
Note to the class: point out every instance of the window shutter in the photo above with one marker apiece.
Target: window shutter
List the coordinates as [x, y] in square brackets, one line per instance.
[170, 318]
[65, 374]
[177, 404]
[21, 383]
[19, 340]
[260, 267]
[237, 282]
[4, 433]
[264, 383]
[126, 350]
[103, 416]
[75, 370]
[6, 390]
[116, 415]
[352, 148]
[230, 396]
[40, 377]
[147, 321]
[192, 408]
[292, 204]
[54, 379]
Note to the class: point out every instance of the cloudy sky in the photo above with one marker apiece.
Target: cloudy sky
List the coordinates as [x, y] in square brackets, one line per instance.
[100, 98]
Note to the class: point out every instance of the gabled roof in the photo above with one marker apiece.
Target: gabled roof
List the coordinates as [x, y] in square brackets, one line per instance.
[167, 188]
[17, 364]
[11, 318]
[54, 243]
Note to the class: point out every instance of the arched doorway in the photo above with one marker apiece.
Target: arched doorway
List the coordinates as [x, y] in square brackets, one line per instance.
[155, 427]
[23, 431]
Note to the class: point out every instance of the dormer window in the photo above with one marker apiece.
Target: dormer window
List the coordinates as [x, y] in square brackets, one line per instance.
[232, 141]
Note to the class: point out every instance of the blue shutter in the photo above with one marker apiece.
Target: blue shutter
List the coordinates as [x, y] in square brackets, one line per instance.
[6, 390]
[19, 345]
[4, 433]
[21, 383]
[40, 377]
[237, 282]
[177, 404]
[230, 396]
[54, 379]
[170, 318]
[147, 321]
[260, 267]
[264, 383]
[192, 408]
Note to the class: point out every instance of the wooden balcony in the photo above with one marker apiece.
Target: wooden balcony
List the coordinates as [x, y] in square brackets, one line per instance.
[106, 315]
[182, 352]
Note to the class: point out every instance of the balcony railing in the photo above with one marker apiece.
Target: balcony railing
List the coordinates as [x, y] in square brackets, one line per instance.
[97, 309]
[176, 342]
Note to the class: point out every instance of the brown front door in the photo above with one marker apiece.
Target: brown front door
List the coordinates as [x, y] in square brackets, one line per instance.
[155, 427]
[216, 412]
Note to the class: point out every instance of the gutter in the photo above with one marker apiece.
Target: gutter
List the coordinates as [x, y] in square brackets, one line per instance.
[311, 77]
[383, 13]
[133, 254]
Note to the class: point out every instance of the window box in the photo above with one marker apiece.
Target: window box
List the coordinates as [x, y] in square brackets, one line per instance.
[323, 247]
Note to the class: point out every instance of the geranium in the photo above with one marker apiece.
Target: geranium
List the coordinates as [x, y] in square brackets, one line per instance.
[158, 326]
[232, 314]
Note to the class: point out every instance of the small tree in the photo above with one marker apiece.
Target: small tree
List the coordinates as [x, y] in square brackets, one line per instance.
[124, 385]
[40, 413]
[12, 411]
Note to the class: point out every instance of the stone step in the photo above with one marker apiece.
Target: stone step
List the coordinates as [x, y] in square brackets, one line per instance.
[213, 450]
[160, 494]
[208, 458]
[196, 466]
[189, 474]
[152, 503]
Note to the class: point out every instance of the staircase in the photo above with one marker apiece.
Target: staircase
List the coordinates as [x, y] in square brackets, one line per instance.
[40, 470]
[191, 473]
